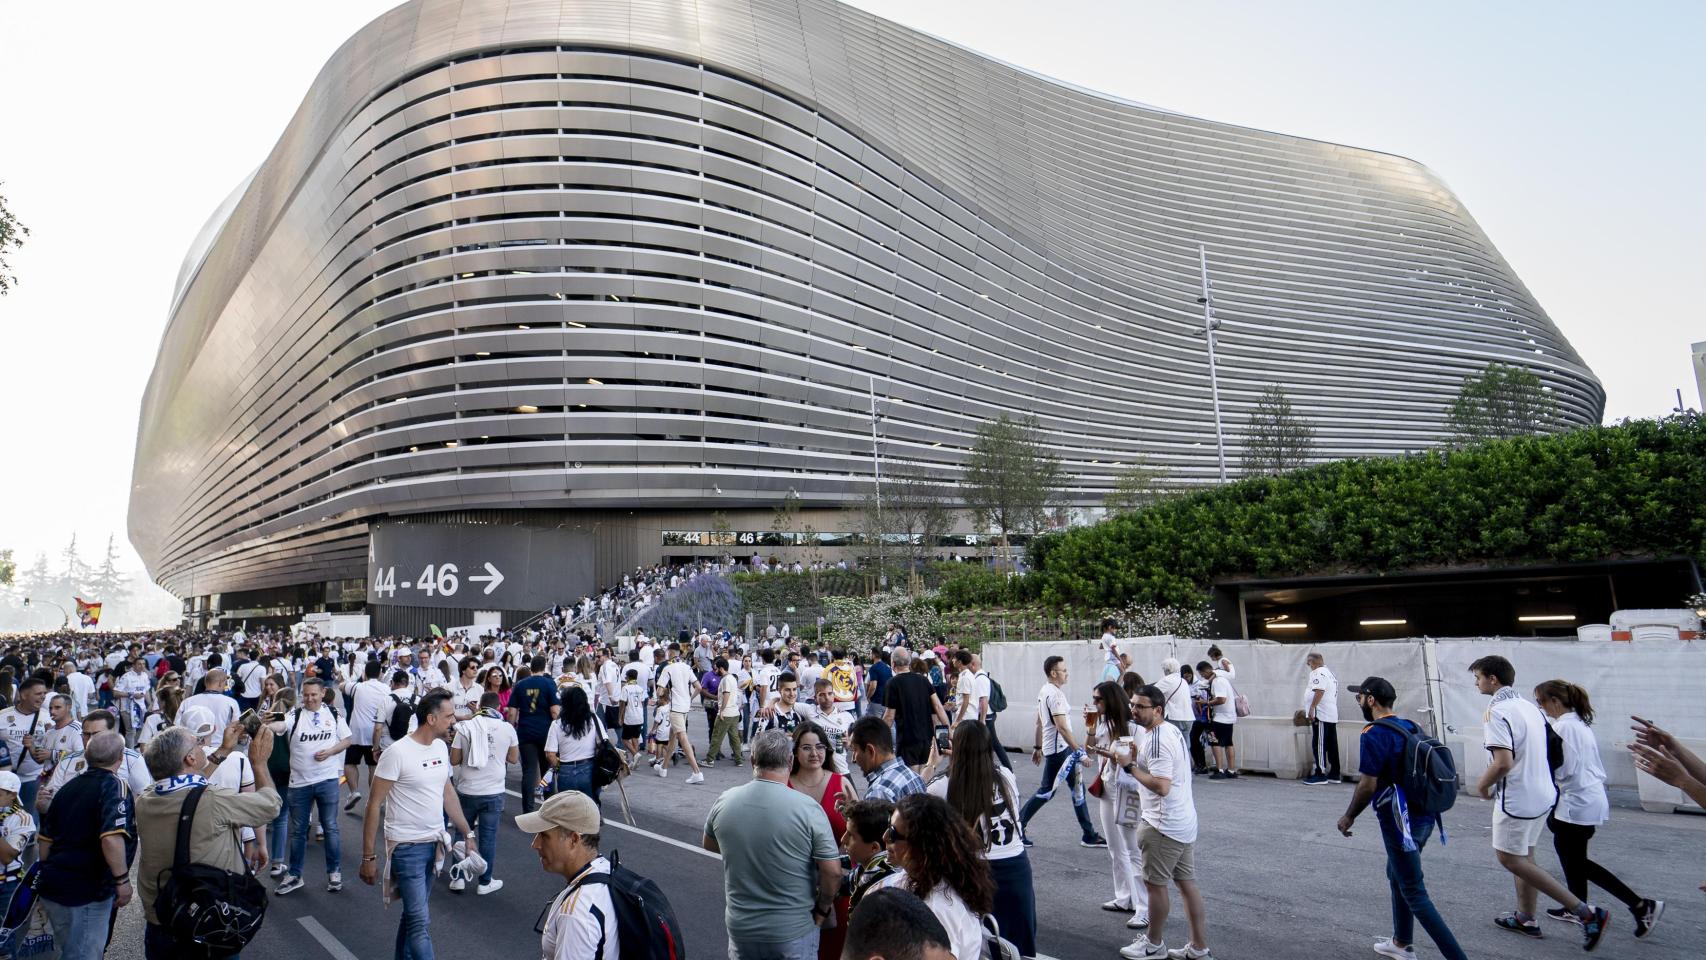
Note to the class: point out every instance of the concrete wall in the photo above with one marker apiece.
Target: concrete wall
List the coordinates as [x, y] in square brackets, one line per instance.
[1662, 681]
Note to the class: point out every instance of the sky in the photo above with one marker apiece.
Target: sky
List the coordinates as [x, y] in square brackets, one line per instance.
[1573, 131]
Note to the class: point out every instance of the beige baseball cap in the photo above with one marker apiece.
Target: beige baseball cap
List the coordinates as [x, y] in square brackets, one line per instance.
[572, 810]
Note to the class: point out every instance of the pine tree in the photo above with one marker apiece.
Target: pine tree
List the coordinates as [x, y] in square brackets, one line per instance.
[107, 583]
[74, 573]
[1277, 439]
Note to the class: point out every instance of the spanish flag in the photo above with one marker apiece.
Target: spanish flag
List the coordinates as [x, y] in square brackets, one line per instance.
[89, 614]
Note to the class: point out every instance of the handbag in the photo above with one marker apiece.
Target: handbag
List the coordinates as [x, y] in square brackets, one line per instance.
[1300, 718]
[996, 947]
[1096, 789]
[1128, 806]
[607, 764]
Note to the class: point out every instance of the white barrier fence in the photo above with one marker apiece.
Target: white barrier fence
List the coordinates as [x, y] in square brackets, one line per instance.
[1663, 681]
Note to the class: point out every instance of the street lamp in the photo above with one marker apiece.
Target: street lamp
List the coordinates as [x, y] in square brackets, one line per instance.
[1210, 324]
[66, 623]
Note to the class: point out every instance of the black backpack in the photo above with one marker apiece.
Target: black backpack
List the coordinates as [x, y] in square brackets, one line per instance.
[401, 712]
[1429, 777]
[997, 697]
[645, 924]
[211, 912]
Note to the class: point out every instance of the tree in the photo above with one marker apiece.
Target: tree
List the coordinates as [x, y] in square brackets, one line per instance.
[1137, 486]
[787, 516]
[1277, 439]
[919, 506]
[106, 582]
[12, 234]
[722, 532]
[8, 568]
[1011, 479]
[74, 577]
[1500, 403]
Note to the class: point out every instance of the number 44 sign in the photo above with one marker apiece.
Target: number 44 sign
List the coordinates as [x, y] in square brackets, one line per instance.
[440, 580]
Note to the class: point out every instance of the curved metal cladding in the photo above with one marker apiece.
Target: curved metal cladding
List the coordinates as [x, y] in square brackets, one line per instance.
[660, 253]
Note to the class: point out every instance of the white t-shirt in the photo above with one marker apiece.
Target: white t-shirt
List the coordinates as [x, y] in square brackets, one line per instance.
[17, 828]
[764, 677]
[414, 809]
[223, 708]
[14, 726]
[1002, 827]
[634, 703]
[1222, 712]
[249, 678]
[310, 733]
[1165, 755]
[1051, 703]
[1581, 778]
[1176, 695]
[487, 779]
[609, 683]
[132, 769]
[372, 697]
[1323, 680]
[1518, 726]
[568, 747]
[679, 678]
[1110, 657]
[965, 688]
[82, 692]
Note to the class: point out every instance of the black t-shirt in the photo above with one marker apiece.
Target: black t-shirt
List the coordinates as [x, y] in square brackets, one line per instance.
[533, 699]
[93, 804]
[909, 696]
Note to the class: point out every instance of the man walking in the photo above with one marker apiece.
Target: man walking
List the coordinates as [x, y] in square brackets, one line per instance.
[781, 866]
[316, 738]
[1168, 835]
[481, 752]
[871, 746]
[1518, 779]
[1222, 715]
[369, 707]
[533, 704]
[414, 773]
[678, 689]
[913, 710]
[727, 723]
[581, 923]
[1321, 704]
[1056, 747]
[1382, 767]
[86, 842]
[1176, 694]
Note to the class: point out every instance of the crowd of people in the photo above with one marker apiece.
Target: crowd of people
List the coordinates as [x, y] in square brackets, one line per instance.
[267, 739]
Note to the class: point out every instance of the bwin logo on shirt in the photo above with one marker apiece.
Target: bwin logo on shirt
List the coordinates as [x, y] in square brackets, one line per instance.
[309, 736]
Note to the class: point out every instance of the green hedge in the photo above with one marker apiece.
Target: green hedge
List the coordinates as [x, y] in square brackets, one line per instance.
[1636, 489]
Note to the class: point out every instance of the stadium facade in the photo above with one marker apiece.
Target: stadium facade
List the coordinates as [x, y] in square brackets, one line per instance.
[595, 282]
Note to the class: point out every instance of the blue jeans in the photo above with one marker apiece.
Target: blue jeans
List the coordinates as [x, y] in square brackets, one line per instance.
[484, 813]
[279, 830]
[1410, 901]
[81, 931]
[325, 796]
[1075, 783]
[805, 948]
[411, 871]
[577, 775]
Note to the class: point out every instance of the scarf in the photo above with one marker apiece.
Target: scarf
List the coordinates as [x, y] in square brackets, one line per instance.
[174, 784]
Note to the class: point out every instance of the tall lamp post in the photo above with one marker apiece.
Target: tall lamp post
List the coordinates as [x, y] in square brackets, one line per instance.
[877, 481]
[1210, 324]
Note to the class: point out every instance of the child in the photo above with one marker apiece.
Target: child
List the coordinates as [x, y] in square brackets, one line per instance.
[863, 841]
[633, 713]
[660, 741]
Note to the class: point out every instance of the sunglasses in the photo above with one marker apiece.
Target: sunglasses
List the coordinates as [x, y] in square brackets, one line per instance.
[891, 835]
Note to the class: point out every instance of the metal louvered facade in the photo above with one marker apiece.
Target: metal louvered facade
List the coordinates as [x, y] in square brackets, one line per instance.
[638, 255]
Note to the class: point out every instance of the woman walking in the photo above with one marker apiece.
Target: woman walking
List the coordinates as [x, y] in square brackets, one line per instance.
[814, 775]
[1112, 728]
[570, 745]
[1582, 805]
[983, 793]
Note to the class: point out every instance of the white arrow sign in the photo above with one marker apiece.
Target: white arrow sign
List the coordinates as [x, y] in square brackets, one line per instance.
[496, 577]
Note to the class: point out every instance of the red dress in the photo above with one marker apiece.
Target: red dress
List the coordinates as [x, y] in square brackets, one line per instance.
[831, 941]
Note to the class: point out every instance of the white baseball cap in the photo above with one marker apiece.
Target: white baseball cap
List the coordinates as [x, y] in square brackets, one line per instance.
[198, 720]
[10, 781]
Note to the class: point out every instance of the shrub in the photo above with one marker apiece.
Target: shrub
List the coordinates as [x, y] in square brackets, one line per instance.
[1630, 490]
[706, 600]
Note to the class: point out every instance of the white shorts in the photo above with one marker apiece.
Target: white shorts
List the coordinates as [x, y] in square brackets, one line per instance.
[1515, 835]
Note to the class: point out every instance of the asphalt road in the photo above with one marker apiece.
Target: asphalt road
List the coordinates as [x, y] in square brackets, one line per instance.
[1279, 881]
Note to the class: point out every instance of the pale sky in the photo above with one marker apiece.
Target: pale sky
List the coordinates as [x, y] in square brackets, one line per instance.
[1573, 131]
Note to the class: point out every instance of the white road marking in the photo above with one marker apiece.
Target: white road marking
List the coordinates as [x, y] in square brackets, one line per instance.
[690, 848]
[320, 933]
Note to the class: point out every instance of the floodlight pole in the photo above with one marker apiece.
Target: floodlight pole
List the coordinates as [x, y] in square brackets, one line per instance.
[877, 480]
[1209, 326]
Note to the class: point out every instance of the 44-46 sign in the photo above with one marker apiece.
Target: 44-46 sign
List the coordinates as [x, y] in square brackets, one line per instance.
[434, 580]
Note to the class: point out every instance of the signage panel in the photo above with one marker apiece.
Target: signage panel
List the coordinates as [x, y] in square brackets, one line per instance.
[477, 566]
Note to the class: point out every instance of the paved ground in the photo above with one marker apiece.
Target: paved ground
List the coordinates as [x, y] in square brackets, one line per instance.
[1279, 880]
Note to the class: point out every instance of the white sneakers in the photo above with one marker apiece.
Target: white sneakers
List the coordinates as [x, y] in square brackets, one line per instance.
[662, 770]
[1142, 949]
[457, 883]
[696, 778]
[334, 882]
[1116, 906]
[492, 887]
[277, 870]
[1386, 948]
[1138, 921]
[290, 884]
[1188, 952]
